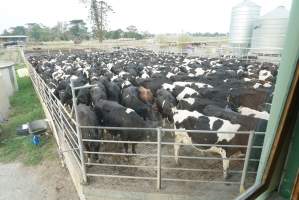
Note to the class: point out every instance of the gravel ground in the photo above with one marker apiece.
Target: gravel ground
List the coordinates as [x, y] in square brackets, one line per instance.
[47, 181]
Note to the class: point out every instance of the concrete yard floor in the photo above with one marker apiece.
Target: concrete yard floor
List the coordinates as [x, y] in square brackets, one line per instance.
[47, 181]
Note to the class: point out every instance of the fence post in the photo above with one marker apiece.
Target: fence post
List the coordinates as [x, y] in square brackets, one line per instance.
[61, 120]
[79, 135]
[246, 161]
[158, 158]
[38, 85]
[63, 136]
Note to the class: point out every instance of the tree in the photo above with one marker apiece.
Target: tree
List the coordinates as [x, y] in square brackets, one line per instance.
[132, 29]
[38, 32]
[114, 34]
[147, 34]
[60, 31]
[133, 33]
[34, 31]
[18, 30]
[99, 11]
[78, 29]
[5, 32]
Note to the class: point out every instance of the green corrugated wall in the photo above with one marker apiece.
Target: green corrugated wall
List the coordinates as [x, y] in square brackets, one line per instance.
[292, 165]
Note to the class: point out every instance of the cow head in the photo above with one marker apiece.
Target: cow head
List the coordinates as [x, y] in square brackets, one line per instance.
[145, 94]
[153, 113]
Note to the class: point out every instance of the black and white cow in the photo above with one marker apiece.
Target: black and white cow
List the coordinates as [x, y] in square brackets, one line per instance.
[221, 94]
[187, 120]
[166, 101]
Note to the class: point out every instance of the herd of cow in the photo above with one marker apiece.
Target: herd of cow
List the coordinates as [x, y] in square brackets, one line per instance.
[140, 88]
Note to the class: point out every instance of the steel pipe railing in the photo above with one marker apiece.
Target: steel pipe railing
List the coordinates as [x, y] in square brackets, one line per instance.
[79, 134]
[61, 118]
[117, 165]
[172, 130]
[201, 181]
[119, 176]
[120, 154]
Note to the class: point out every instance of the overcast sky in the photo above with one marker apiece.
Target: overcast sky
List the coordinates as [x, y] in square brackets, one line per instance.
[155, 16]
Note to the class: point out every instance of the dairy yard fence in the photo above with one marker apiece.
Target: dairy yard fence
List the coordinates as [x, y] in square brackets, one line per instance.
[70, 132]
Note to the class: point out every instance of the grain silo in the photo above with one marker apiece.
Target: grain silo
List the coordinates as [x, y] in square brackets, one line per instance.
[269, 32]
[242, 20]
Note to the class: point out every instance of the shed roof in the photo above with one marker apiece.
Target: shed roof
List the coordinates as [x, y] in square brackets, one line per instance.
[4, 64]
[13, 36]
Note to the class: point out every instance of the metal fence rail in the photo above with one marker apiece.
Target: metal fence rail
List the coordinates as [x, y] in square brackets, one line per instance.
[159, 156]
[61, 118]
[70, 131]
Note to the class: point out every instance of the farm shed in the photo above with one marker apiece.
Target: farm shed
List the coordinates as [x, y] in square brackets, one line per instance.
[13, 38]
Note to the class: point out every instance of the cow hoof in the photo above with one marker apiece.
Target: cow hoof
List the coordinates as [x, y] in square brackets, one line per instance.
[242, 189]
[226, 176]
[88, 166]
[178, 163]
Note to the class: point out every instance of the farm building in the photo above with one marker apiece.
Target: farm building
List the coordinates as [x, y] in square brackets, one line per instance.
[18, 39]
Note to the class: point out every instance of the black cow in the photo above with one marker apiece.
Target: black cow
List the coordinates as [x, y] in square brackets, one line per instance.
[115, 115]
[252, 98]
[130, 98]
[98, 92]
[112, 89]
[61, 86]
[87, 117]
[154, 84]
[67, 95]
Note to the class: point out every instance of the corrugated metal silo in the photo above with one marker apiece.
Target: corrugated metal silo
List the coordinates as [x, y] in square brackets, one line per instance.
[269, 32]
[242, 20]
